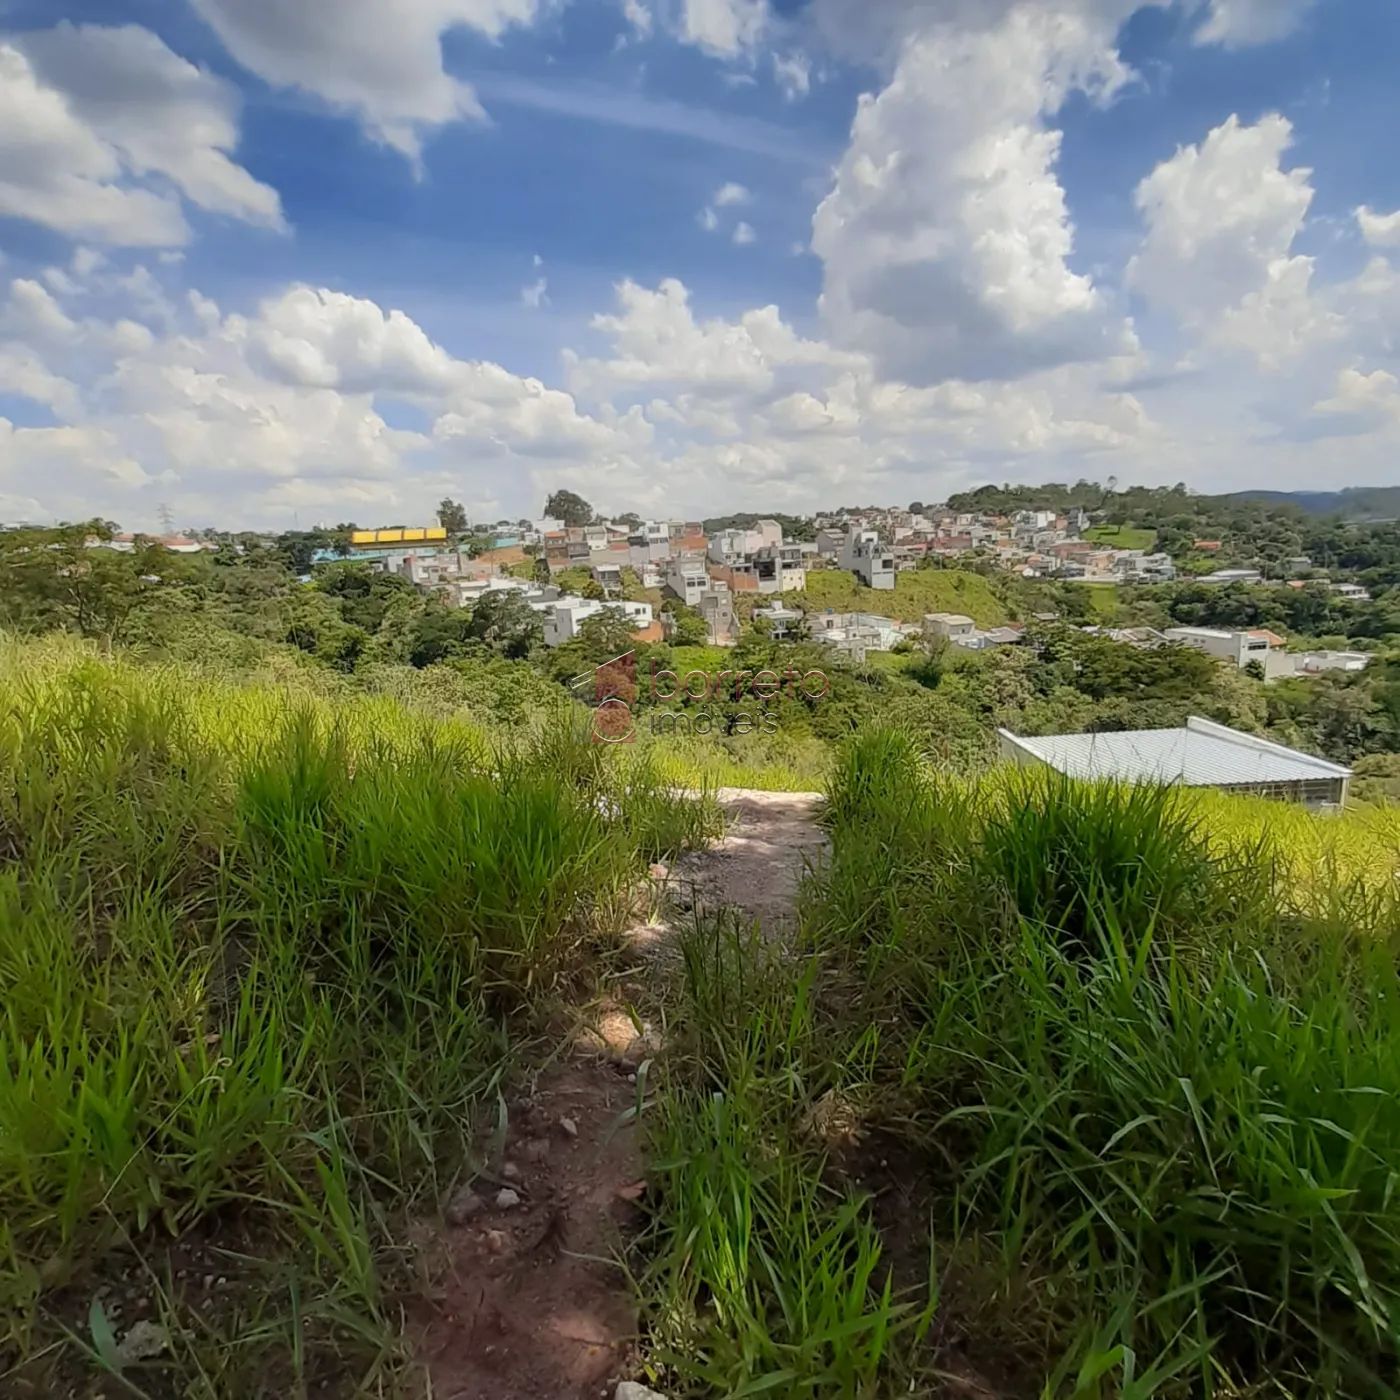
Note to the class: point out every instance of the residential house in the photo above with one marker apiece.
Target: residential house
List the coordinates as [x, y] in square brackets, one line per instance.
[608, 576]
[778, 568]
[784, 623]
[1138, 566]
[716, 606]
[949, 625]
[856, 633]
[1312, 663]
[1224, 577]
[687, 579]
[1351, 591]
[864, 556]
[1237, 648]
[564, 617]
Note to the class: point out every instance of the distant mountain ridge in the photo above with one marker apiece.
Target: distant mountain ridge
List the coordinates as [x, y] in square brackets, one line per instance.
[1357, 502]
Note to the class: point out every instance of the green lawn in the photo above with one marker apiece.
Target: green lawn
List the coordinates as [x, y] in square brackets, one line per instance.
[1103, 598]
[1122, 536]
[916, 592]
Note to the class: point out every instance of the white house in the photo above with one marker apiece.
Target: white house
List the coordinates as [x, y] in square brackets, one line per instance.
[687, 578]
[871, 561]
[1312, 663]
[564, 617]
[950, 625]
[784, 622]
[1238, 648]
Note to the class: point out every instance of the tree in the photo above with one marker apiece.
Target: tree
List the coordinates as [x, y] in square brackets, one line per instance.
[441, 633]
[688, 628]
[452, 516]
[507, 622]
[53, 579]
[569, 507]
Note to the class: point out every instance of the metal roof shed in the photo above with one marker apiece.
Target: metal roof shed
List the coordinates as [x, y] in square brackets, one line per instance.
[1202, 754]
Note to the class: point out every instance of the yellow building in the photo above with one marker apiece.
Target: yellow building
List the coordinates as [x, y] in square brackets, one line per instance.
[394, 539]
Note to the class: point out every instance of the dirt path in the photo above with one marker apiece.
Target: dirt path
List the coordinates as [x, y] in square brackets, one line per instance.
[522, 1303]
[770, 840]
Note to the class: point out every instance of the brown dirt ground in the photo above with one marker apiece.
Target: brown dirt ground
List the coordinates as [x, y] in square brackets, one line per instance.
[527, 1303]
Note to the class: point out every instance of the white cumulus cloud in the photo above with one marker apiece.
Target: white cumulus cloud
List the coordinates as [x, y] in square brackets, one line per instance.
[1238, 23]
[381, 63]
[725, 28]
[88, 113]
[946, 237]
[1379, 230]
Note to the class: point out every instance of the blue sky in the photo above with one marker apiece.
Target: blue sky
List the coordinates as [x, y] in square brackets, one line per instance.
[267, 265]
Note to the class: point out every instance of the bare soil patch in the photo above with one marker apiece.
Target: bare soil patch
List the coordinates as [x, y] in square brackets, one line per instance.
[526, 1301]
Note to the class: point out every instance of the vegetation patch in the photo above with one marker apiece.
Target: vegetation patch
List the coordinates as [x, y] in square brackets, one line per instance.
[263, 961]
[1122, 537]
[916, 593]
[1131, 1053]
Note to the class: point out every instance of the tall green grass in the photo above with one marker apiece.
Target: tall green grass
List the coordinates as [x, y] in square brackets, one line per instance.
[1135, 1056]
[1162, 1072]
[262, 957]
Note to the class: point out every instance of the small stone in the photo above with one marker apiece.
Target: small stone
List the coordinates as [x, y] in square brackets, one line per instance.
[536, 1150]
[506, 1198]
[207, 1281]
[630, 1390]
[465, 1204]
[568, 1127]
[631, 1078]
[658, 871]
[511, 1172]
[145, 1340]
[497, 1241]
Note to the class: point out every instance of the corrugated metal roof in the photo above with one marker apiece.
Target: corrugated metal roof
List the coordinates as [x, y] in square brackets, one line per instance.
[1201, 755]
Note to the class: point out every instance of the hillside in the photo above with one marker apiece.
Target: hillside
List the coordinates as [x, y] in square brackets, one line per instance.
[1354, 502]
[916, 592]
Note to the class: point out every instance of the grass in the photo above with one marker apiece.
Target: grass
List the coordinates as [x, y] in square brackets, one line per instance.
[1122, 537]
[1059, 1090]
[916, 592]
[263, 957]
[1132, 1057]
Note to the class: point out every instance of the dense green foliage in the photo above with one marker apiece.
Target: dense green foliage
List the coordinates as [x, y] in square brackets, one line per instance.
[255, 602]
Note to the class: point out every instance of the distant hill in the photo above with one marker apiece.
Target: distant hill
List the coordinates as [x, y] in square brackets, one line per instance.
[1356, 502]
